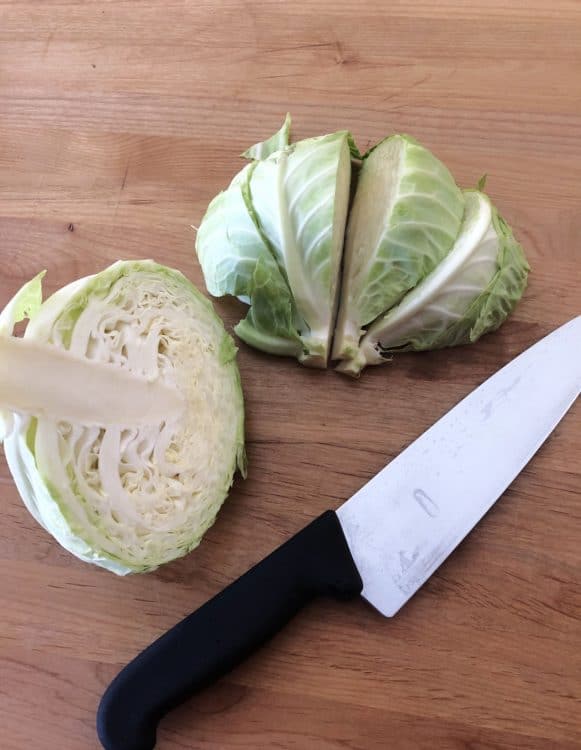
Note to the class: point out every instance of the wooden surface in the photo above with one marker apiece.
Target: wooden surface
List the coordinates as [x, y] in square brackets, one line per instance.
[118, 122]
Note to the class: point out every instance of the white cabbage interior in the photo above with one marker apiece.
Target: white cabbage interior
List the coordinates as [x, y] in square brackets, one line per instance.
[138, 497]
[79, 390]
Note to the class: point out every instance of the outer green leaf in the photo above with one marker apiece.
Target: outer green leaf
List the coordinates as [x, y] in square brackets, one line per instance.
[25, 304]
[508, 285]
[270, 323]
[228, 243]
[277, 141]
[236, 259]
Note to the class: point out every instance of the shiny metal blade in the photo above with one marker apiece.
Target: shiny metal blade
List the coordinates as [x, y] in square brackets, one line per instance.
[404, 523]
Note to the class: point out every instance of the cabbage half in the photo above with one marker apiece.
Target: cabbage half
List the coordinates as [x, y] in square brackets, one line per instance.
[274, 238]
[469, 293]
[405, 218]
[125, 496]
[421, 265]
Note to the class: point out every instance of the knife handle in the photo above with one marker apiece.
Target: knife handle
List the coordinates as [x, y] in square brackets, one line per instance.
[212, 640]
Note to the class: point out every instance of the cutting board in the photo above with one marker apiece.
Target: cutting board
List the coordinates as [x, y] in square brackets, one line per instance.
[118, 123]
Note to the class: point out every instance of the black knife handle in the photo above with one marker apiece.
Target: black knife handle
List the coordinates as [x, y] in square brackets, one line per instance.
[215, 638]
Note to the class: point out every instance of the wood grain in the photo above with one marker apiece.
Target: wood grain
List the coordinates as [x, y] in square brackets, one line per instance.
[118, 122]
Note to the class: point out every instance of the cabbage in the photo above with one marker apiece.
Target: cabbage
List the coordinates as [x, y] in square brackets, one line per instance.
[412, 263]
[287, 265]
[131, 479]
[469, 293]
[300, 197]
[405, 218]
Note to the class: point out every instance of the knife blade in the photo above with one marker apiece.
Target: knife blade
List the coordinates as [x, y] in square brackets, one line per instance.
[383, 543]
[406, 520]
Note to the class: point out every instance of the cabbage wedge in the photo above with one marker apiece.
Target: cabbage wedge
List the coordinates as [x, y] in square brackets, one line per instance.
[274, 239]
[349, 258]
[405, 218]
[469, 293]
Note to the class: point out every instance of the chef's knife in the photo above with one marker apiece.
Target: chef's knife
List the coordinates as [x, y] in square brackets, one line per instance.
[383, 543]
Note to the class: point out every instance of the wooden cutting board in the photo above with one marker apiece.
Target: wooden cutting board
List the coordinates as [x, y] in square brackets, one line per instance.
[118, 123]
